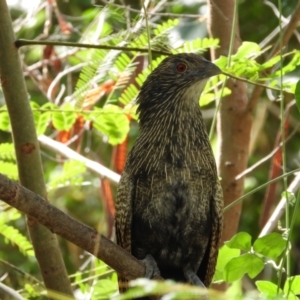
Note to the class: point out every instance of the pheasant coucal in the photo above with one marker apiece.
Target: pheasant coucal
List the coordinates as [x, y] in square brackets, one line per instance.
[169, 200]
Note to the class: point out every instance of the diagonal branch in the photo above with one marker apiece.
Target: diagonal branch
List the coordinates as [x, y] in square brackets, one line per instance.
[71, 154]
[79, 234]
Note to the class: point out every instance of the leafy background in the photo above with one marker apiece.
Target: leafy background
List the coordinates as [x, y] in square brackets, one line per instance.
[84, 98]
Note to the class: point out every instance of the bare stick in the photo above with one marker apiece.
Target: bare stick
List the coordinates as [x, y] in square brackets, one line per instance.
[71, 154]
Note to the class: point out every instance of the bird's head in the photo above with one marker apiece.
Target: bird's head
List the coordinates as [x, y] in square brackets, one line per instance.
[176, 77]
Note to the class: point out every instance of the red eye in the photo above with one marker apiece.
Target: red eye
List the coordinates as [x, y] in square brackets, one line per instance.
[181, 67]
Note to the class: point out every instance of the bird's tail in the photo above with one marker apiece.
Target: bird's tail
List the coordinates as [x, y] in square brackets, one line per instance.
[123, 284]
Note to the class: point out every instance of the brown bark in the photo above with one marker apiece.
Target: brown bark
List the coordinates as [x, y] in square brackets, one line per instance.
[234, 118]
[81, 235]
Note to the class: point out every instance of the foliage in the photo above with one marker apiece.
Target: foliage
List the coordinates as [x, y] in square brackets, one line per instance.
[95, 114]
[12, 234]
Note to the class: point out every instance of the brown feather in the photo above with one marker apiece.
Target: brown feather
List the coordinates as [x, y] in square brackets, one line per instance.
[169, 201]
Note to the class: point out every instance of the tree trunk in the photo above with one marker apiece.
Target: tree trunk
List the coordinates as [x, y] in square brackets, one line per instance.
[28, 155]
[234, 118]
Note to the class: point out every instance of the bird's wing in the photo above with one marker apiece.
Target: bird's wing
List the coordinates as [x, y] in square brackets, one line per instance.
[123, 218]
[216, 233]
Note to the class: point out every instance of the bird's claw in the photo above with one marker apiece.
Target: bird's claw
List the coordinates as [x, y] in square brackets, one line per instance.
[152, 269]
[193, 279]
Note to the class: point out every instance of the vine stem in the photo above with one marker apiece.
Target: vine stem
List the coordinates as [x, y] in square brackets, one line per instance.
[232, 36]
[282, 129]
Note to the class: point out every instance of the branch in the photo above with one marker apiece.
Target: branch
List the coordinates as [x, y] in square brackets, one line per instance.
[21, 42]
[71, 154]
[280, 208]
[295, 18]
[79, 234]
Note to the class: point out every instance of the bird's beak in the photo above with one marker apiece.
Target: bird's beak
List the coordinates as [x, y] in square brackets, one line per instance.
[212, 69]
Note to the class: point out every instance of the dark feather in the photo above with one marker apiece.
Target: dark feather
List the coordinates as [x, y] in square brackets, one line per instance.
[169, 202]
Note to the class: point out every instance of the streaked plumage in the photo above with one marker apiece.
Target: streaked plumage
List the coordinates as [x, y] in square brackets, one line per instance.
[169, 200]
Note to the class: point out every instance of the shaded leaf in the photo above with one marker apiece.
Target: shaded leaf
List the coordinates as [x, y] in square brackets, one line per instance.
[246, 263]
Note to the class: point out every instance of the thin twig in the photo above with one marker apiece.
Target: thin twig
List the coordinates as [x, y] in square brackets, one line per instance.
[70, 154]
[21, 42]
[128, 8]
[280, 208]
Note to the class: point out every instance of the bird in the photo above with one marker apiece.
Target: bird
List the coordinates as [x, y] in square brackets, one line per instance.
[169, 199]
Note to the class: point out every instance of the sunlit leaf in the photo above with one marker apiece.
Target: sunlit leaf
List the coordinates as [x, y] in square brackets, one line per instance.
[4, 119]
[241, 240]
[271, 245]
[113, 123]
[297, 94]
[268, 289]
[292, 284]
[7, 151]
[64, 118]
[225, 255]
[247, 49]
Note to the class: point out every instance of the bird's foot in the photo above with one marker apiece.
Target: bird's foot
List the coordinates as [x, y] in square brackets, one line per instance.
[152, 269]
[193, 279]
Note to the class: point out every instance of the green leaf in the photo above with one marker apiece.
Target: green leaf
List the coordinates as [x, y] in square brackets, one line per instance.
[290, 66]
[221, 62]
[165, 26]
[292, 284]
[271, 245]
[297, 94]
[4, 119]
[64, 118]
[9, 169]
[8, 215]
[198, 45]
[225, 255]
[70, 175]
[241, 240]
[7, 151]
[247, 49]
[246, 263]
[129, 94]
[15, 237]
[43, 118]
[270, 63]
[268, 289]
[104, 288]
[96, 61]
[43, 122]
[289, 197]
[113, 123]
[207, 98]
